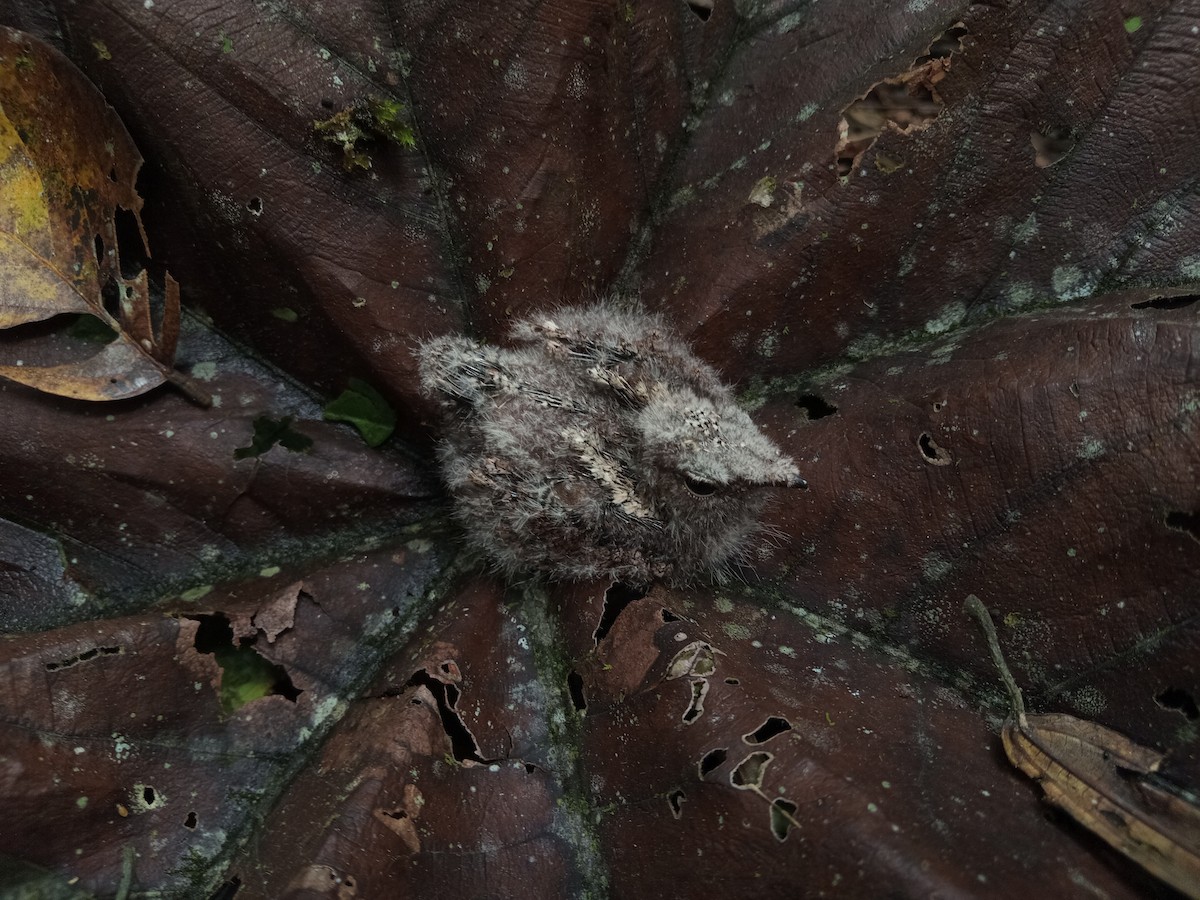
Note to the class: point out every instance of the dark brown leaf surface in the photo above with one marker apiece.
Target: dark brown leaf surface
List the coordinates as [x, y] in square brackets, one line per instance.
[947, 251]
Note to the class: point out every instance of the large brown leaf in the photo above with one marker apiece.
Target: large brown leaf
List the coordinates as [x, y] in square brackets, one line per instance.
[934, 244]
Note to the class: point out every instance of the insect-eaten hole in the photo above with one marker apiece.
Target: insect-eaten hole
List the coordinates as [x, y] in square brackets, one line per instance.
[906, 103]
[575, 689]
[1050, 145]
[255, 206]
[749, 773]
[1178, 700]
[696, 707]
[245, 674]
[148, 795]
[190, 821]
[772, 727]
[931, 452]
[1176, 301]
[815, 407]
[667, 616]
[228, 890]
[675, 800]
[82, 657]
[616, 598]
[732, 681]
[783, 818]
[1187, 522]
[130, 247]
[712, 760]
[462, 743]
[702, 9]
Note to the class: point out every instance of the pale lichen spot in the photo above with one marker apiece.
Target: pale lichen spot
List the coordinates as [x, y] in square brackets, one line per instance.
[1027, 230]
[1020, 293]
[1189, 267]
[204, 371]
[951, 315]
[1090, 448]
[1070, 283]
[935, 566]
[735, 631]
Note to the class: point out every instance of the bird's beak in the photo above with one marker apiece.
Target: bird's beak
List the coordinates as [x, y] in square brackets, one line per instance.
[792, 481]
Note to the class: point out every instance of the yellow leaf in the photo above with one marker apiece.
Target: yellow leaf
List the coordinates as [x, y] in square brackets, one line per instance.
[67, 166]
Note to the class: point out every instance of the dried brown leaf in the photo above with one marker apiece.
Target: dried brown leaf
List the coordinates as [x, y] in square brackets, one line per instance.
[1099, 777]
[68, 166]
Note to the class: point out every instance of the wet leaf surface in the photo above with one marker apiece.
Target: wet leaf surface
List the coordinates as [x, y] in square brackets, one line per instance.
[977, 338]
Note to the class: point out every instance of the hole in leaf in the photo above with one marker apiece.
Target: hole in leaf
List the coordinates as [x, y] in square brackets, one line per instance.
[732, 681]
[783, 818]
[906, 103]
[99, 248]
[815, 407]
[702, 8]
[268, 433]
[462, 742]
[773, 726]
[946, 44]
[1178, 301]
[190, 821]
[112, 174]
[616, 598]
[712, 760]
[245, 674]
[1188, 523]
[931, 452]
[675, 800]
[696, 707]
[130, 248]
[148, 795]
[228, 890]
[1050, 145]
[1179, 700]
[575, 688]
[255, 206]
[749, 773]
[668, 616]
[82, 657]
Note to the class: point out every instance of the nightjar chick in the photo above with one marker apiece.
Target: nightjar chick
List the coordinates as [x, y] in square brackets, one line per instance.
[598, 446]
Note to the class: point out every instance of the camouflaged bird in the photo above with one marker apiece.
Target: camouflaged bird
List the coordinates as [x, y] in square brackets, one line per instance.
[599, 446]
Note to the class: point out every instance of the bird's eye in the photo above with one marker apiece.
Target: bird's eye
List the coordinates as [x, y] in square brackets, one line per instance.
[699, 486]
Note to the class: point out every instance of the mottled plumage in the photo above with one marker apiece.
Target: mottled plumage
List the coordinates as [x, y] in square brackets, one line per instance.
[598, 446]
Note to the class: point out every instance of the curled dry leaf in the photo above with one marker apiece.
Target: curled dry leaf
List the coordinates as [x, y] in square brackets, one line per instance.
[1103, 780]
[67, 165]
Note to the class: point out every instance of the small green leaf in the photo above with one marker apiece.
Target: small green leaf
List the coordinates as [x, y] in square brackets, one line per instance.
[363, 407]
[268, 433]
[285, 313]
[1133, 23]
[91, 329]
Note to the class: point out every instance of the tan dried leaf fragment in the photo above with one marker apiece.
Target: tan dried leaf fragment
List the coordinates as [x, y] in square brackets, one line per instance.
[67, 165]
[1103, 780]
